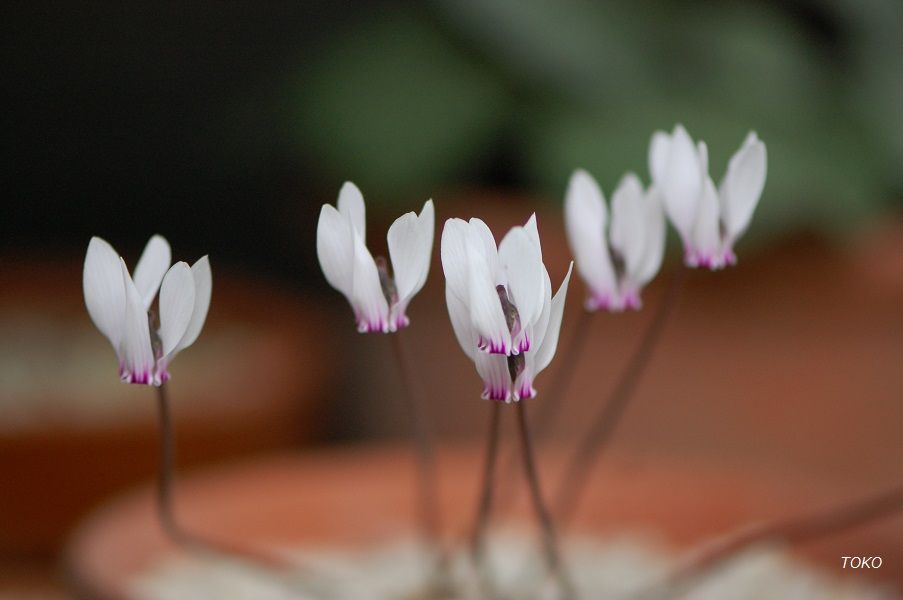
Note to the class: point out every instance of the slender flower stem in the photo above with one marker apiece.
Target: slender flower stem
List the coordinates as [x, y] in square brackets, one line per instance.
[549, 538]
[166, 510]
[428, 497]
[603, 426]
[484, 508]
[796, 530]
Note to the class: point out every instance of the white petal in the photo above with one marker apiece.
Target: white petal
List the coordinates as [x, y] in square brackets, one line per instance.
[460, 320]
[585, 219]
[410, 248]
[628, 227]
[136, 357]
[104, 292]
[538, 330]
[351, 205]
[682, 183]
[453, 253]
[493, 369]
[481, 238]
[151, 267]
[654, 225]
[705, 250]
[659, 151]
[335, 249]
[531, 229]
[523, 268]
[486, 312]
[549, 345]
[367, 296]
[203, 288]
[742, 186]
[176, 305]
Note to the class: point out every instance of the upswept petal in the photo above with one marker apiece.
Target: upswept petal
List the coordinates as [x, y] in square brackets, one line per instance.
[103, 289]
[335, 249]
[481, 238]
[706, 246]
[493, 369]
[742, 186]
[410, 247]
[367, 298]
[682, 183]
[659, 151]
[136, 360]
[540, 327]
[533, 231]
[522, 263]
[151, 267]
[654, 225]
[459, 315]
[203, 287]
[351, 206]
[546, 351]
[585, 220]
[522, 387]
[486, 312]
[453, 255]
[628, 224]
[177, 299]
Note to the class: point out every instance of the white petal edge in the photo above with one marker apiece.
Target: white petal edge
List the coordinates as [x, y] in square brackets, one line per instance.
[522, 263]
[486, 314]
[549, 345]
[151, 267]
[203, 289]
[682, 183]
[176, 305]
[742, 185]
[628, 230]
[103, 289]
[335, 249]
[585, 220]
[351, 206]
[410, 240]
[367, 297]
[135, 353]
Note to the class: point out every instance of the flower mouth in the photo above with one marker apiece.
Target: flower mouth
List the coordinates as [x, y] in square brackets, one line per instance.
[512, 320]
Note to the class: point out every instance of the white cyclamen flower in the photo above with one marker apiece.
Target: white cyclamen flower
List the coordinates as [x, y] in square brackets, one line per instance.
[378, 299]
[121, 306]
[617, 258]
[708, 219]
[501, 305]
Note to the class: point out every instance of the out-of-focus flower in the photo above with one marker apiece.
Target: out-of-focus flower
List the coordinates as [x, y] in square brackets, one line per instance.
[379, 300]
[708, 219]
[121, 306]
[617, 258]
[501, 305]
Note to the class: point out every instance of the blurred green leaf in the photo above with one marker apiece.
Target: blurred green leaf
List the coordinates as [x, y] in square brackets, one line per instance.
[397, 108]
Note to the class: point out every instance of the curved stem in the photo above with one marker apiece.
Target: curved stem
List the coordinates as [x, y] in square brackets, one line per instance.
[606, 421]
[549, 537]
[791, 531]
[166, 511]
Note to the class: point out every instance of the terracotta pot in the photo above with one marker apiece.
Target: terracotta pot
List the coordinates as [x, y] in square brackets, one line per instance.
[71, 433]
[353, 497]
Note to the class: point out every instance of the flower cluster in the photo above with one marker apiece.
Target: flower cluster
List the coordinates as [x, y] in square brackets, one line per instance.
[615, 256]
[146, 341]
[501, 305]
[708, 219]
[378, 299]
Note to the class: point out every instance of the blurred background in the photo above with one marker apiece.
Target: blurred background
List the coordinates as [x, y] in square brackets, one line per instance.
[225, 127]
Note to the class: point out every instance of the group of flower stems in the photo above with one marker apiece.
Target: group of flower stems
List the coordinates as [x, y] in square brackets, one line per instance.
[505, 318]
